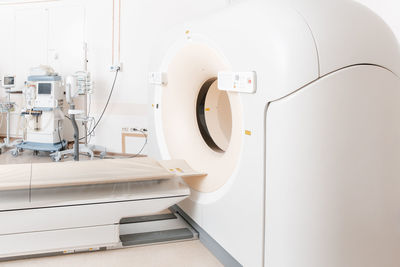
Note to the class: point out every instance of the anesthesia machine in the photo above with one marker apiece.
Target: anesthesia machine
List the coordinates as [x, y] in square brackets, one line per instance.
[44, 112]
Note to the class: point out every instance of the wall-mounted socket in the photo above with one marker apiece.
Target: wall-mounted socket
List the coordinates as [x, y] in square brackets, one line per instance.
[116, 67]
[133, 130]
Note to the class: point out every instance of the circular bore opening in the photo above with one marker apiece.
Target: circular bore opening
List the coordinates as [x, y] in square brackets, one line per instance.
[214, 116]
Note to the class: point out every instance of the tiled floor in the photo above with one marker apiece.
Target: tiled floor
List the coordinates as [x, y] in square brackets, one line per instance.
[180, 254]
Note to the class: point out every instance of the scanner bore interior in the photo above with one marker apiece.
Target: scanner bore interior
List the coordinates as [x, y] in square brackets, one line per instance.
[201, 124]
[214, 116]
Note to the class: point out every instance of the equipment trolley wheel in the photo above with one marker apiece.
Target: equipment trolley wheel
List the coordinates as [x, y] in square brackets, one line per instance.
[55, 158]
[15, 152]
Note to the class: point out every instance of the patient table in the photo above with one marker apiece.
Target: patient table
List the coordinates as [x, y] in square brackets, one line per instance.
[54, 208]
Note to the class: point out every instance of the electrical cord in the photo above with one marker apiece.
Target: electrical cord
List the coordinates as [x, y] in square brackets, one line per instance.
[144, 145]
[90, 132]
[105, 107]
[92, 121]
[59, 135]
[90, 104]
[137, 154]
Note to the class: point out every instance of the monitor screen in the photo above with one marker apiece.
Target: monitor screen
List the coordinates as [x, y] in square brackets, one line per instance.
[10, 80]
[44, 89]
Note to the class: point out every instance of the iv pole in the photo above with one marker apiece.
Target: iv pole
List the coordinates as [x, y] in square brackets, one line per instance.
[86, 147]
[85, 68]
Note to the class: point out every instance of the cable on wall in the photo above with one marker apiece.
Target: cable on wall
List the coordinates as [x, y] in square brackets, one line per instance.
[119, 32]
[113, 32]
[144, 145]
[113, 37]
[105, 107]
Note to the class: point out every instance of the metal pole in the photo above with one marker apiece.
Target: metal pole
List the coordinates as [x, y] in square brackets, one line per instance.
[85, 68]
[76, 135]
[8, 120]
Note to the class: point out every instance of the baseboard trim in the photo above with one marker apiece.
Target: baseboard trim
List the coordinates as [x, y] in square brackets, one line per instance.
[216, 249]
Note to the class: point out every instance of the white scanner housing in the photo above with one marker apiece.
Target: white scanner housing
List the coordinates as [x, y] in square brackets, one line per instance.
[303, 159]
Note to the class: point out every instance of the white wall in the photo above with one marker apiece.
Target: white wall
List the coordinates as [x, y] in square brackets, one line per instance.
[54, 32]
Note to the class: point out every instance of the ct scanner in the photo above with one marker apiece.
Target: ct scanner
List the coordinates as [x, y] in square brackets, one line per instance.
[288, 112]
[292, 109]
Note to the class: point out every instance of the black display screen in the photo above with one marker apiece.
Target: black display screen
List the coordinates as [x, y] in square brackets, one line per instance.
[44, 89]
[9, 80]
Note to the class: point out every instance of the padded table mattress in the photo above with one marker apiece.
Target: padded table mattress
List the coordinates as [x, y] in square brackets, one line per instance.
[62, 174]
[73, 183]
